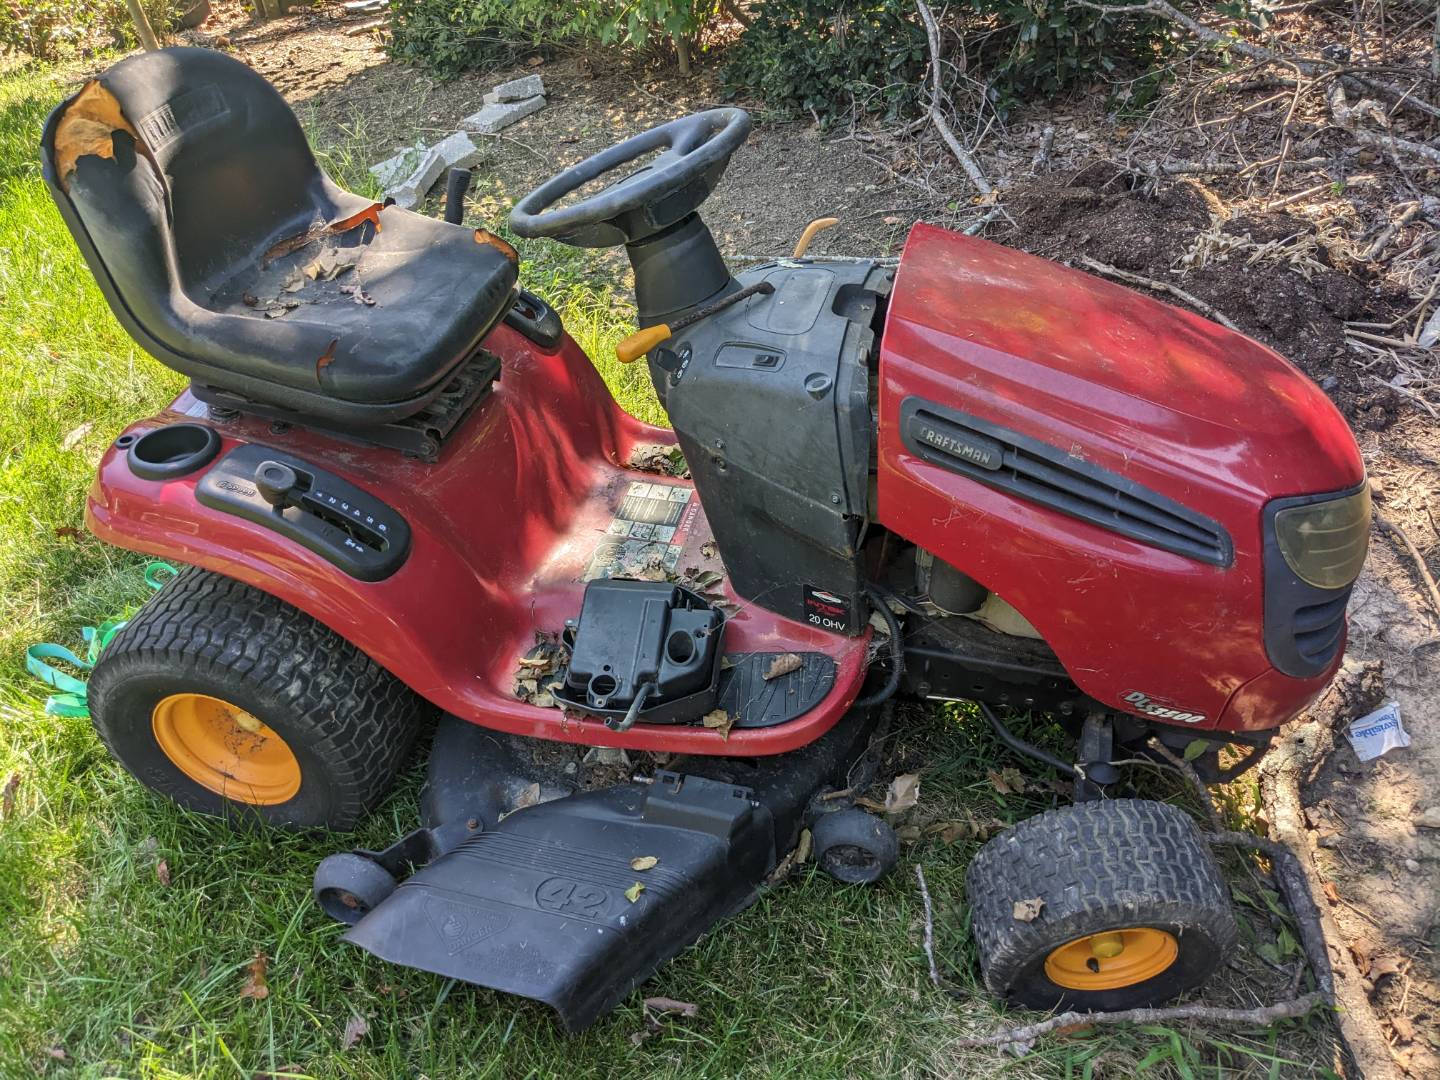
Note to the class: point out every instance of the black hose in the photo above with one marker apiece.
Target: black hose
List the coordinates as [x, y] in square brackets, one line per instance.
[909, 603]
[897, 654]
[1020, 746]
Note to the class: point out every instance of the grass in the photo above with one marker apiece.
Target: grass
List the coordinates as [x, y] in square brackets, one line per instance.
[107, 971]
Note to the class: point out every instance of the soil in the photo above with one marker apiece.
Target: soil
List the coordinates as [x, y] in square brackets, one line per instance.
[1278, 274]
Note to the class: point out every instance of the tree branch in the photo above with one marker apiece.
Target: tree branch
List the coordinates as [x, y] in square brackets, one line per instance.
[1022, 1037]
[967, 161]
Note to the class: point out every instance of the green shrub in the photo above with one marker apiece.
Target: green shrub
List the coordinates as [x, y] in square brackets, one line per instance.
[46, 29]
[827, 56]
[1046, 47]
[832, 56]
[450, 36]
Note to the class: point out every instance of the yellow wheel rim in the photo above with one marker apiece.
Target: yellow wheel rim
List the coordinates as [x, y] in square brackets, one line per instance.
[1112, 959]
[223, 748]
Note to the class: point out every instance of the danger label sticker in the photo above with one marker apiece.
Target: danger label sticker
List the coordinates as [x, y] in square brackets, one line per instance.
[647, 533]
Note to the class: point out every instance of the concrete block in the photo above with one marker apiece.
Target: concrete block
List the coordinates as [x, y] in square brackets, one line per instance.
[527, 86]
[395, 169]
[454, 151]
[499, 115]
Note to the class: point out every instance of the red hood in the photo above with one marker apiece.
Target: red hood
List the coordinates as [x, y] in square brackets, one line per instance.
[1137, 386]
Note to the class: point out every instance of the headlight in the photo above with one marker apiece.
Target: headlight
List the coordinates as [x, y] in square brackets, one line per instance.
[1325, 542]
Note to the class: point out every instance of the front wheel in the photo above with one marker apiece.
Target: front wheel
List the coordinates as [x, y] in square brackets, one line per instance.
[229, 701]
[1099, 906]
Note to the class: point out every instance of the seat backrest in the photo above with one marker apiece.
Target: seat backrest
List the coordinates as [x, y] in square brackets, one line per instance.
[205, 169]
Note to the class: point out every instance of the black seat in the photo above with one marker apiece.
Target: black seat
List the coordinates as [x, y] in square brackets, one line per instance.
[230, 256]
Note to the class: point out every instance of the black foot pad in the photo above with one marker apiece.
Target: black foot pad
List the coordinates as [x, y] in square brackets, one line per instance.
[760, 702]
[546, 906]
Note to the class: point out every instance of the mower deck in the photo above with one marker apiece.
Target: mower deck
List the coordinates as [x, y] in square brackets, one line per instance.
[546, 902]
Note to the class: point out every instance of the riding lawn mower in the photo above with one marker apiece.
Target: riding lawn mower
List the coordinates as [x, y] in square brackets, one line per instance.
[401, 490]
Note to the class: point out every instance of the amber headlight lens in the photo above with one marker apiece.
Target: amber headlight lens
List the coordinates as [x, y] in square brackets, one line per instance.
[1325, 542]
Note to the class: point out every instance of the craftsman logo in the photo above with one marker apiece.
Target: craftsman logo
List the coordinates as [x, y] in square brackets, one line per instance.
[828, 611]
[957, 443]
[461, 926]
[239, 489]
[1141, 703]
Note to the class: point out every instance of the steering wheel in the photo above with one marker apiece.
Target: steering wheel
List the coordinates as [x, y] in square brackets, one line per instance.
[657, 195]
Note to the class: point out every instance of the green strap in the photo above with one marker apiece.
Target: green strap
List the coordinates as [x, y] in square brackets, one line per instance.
[71, 699]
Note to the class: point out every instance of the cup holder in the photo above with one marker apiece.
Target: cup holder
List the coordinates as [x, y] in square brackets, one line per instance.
[173, 450]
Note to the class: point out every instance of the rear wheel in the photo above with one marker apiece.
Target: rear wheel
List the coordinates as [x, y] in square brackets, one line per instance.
[228, 700]
[1102, 905]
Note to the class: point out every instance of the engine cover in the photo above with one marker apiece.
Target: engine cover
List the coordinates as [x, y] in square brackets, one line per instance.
[770, 399]
[1103, 462]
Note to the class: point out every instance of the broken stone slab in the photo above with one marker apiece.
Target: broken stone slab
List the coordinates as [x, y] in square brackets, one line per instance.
[454, 151]
[395, 169]
[521, 89]
[499, 115]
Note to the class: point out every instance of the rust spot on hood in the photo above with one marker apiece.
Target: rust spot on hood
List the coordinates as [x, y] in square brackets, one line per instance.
[88, 127]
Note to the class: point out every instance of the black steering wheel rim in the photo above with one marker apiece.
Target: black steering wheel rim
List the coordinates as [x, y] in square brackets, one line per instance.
[696, 149]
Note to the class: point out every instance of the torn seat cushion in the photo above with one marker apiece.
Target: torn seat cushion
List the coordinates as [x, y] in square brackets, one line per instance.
[229, 255]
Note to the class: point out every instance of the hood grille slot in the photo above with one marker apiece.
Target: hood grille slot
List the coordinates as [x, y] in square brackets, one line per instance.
[1047, 476]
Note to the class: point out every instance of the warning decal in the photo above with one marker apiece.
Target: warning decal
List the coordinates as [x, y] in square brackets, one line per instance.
[646, 534]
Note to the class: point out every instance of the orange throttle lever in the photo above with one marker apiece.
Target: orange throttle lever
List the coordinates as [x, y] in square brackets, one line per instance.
[642, 341]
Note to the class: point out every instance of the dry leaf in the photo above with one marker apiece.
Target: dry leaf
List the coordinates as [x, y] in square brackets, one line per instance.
[1007, 781]
[255, 985]
[1362, 948]
[907, 834]
[644, 862]
[719, 720]
[7, 794]
[783, 665]
[670, 1005]
[72, 439]
[355, 1030]
[1028, 910]
[162, 872]
[1331, 893]
[633, 892]
[1382, 966]
[802, 849]
[904, 792]
[1404, 1028]
[529, 797]
[66, 532]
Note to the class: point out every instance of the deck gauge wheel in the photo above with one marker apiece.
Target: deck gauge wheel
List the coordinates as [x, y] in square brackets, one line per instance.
[854, 847]
[348, 886]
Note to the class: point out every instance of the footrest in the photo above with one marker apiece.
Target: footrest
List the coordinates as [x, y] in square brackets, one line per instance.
[758, 702]
[547, 906]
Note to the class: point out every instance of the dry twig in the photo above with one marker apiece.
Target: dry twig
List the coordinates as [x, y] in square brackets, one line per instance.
[1185, 769]
[967, 161]
[1184, 297]
[1022, 1037]
[929, 926]
[1387, 526]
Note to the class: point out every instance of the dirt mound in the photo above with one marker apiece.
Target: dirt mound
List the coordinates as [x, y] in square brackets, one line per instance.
[1269, 273]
